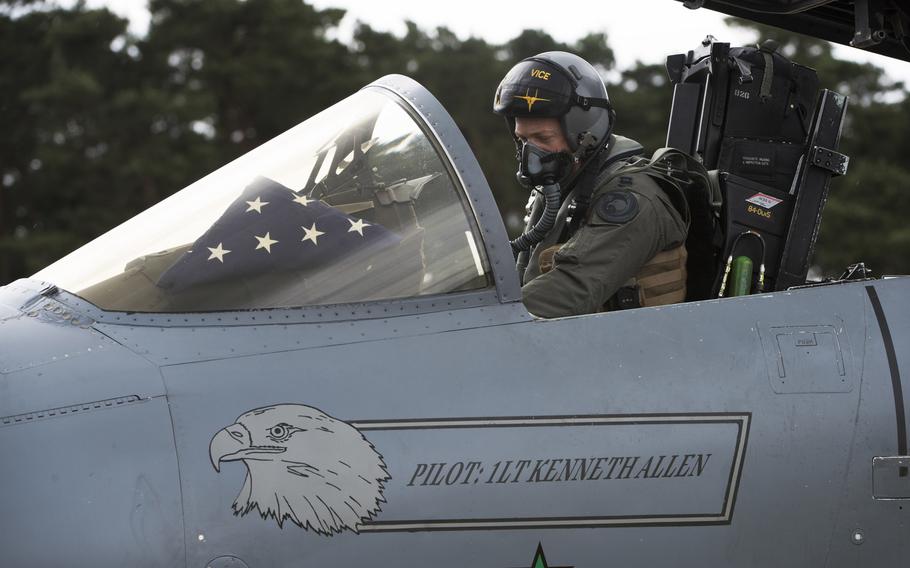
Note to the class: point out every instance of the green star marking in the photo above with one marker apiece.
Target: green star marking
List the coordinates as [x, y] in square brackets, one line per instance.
[540, 561]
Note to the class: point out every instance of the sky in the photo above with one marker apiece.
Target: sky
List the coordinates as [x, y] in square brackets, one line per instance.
[638, 30]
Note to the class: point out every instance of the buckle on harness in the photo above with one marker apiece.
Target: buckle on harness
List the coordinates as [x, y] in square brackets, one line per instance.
[571, 210]
[628, 298]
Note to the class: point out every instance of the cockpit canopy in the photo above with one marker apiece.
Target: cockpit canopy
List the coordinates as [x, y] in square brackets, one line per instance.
[357, 203]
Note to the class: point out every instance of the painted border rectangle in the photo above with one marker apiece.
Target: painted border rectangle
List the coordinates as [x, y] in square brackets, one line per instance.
[723, 517]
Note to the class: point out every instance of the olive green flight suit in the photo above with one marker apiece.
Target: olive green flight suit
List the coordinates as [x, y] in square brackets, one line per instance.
[630, 219]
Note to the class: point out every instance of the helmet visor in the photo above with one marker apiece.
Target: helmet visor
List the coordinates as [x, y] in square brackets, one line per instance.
[534, 88]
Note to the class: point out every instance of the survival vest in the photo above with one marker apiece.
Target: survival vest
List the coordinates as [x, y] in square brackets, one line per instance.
[688, 271]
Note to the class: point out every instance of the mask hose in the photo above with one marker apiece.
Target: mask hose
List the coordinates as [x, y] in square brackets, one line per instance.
[552, 195]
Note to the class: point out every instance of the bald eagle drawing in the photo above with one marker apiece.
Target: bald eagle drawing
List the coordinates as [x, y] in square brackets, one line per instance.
[303, 465]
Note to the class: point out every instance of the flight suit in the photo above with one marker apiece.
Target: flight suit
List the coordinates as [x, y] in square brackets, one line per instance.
[630, 220]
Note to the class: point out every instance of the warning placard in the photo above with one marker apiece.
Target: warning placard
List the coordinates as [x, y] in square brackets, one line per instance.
[764, 200]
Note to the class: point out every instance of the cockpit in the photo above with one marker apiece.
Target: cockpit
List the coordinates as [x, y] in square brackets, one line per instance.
[357, 203]
[379, 198]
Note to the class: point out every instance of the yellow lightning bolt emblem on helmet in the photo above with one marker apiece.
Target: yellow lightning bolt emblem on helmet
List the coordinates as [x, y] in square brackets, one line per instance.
[530, 99]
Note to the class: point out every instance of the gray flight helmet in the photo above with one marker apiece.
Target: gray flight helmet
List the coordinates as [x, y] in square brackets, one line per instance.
[568, 88]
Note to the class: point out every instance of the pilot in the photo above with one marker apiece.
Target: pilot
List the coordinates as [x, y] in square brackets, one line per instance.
[602, 233]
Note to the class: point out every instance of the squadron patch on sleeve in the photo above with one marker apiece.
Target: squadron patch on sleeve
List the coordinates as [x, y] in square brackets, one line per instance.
[617, 206]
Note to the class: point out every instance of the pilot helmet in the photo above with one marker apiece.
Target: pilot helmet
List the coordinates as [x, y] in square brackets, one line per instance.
[560, 85]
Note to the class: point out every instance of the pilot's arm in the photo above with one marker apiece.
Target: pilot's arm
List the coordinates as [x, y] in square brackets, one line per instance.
[628, 223]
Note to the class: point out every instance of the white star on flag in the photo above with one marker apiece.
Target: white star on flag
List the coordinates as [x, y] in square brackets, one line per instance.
[265, 242]
[303, 200]
[218, 253]
[311, 234]
[256, 205]
[357, 226]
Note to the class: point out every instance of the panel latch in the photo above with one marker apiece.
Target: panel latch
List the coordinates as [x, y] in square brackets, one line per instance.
[891, 477]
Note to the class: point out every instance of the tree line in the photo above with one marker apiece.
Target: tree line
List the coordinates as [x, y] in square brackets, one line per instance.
[99, 124]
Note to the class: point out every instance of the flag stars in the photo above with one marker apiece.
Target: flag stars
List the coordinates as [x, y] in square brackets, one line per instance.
[218, 253]
[357, 226]
[303, 200]
[311, 234]
[265, 242]
[256, 205]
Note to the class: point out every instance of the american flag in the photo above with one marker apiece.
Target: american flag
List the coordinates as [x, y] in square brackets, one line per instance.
[270, 228]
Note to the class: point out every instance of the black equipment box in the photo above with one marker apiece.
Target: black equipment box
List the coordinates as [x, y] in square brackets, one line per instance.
[758, 119]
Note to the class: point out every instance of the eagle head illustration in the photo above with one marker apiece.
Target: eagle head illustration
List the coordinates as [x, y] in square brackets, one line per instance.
[303, 465]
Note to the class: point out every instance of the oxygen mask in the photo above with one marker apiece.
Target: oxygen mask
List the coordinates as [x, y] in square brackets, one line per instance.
[542, 171]
[539, 167]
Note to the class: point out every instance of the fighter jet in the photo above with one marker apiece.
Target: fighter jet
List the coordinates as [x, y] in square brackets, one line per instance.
[317, 355]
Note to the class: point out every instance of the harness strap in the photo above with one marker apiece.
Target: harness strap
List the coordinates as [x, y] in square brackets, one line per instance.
[605, 167]
[765, 90]
[767, 48]
[670, 176]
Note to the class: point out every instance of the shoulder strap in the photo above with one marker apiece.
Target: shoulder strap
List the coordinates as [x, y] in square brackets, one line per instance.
[669, 168]
[605, 165]
[684, 171]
